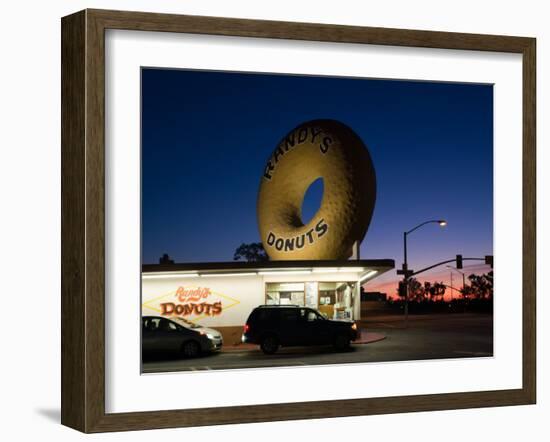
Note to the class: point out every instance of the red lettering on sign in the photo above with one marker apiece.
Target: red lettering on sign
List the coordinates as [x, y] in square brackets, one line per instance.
[170, 308]
[192, 295]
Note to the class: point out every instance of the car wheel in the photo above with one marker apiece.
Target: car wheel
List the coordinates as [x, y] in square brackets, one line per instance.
[190, 349]
[341, 342]
[269, 344]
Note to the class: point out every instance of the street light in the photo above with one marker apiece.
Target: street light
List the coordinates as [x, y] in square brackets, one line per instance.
[442, 223]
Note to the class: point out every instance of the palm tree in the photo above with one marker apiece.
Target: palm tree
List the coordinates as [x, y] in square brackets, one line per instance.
[467, 291]
[439, 289]
[434, 290]
[416, 290]
[428, 289]
[482, 285]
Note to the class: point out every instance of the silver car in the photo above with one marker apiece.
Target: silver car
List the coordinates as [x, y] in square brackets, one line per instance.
[162, 336]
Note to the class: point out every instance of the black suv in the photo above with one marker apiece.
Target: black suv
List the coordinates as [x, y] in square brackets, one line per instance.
[272, 326]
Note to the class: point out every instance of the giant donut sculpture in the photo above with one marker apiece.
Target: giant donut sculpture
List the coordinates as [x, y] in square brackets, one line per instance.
[324, 149]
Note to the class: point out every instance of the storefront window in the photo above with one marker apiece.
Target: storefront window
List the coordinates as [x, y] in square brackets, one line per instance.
[285, 293]
[333, 299]
[272, 298]
[336, 299]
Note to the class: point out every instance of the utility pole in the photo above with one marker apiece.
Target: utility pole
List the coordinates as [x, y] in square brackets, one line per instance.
[463, 278]
[405, 270]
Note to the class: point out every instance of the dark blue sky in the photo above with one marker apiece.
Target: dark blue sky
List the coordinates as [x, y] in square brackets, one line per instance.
[207, 135]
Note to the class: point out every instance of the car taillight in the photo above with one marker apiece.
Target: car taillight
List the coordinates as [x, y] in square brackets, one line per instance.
[246, 328]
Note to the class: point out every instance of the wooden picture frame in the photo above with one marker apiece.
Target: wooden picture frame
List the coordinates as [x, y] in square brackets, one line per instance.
[83, 220]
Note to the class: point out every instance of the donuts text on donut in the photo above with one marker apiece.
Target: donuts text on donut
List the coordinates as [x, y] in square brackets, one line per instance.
[300, 241]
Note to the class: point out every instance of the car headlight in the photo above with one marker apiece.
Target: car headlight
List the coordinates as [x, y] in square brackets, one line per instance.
[210, 336]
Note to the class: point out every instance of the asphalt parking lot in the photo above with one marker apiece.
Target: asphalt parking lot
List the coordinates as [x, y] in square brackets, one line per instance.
[438, 336]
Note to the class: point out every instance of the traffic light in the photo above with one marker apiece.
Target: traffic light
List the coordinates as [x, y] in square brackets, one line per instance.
[458, 261]
[489, 260]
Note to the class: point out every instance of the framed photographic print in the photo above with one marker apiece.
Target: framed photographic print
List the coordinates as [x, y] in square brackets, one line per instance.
[266, 221]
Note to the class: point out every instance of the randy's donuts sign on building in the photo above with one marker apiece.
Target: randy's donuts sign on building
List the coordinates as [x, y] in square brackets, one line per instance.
[223, 303]
[192, 301]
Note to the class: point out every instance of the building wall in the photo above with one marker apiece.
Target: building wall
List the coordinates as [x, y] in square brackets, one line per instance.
[223, 303]
[236, 297]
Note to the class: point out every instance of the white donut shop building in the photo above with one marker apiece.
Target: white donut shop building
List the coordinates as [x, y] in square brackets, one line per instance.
[222, 295]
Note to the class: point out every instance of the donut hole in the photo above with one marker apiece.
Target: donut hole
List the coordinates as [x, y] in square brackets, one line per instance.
[312, 200]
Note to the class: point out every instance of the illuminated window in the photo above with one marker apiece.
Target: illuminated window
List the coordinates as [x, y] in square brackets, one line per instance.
[285, 293]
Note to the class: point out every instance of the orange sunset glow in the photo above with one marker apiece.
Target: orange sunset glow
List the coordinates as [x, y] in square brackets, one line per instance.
[388, 283]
